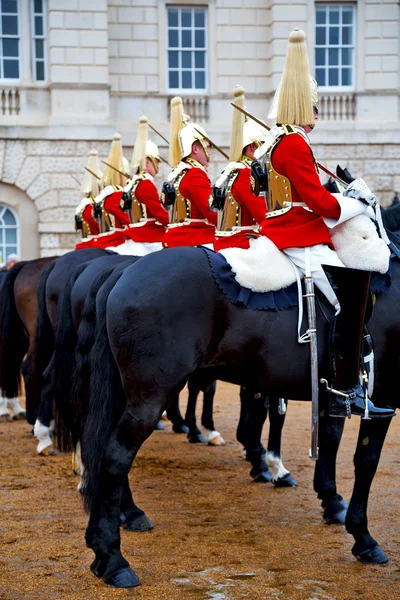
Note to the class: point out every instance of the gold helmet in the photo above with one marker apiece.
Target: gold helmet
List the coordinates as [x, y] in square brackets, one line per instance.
[144, 148]
[91, 184]
[183, 134]
[115, 159]
[297, 93]
[244, 131]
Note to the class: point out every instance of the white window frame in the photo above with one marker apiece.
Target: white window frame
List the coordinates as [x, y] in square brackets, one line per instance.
[39, 37]
[16, 80]
[188, 91]
[327, 46]
[3, 208]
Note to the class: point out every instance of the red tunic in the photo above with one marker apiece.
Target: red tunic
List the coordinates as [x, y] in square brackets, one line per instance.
[196, 187]
[149, 231]
[87, 215]
[293, 159]
[253, 212]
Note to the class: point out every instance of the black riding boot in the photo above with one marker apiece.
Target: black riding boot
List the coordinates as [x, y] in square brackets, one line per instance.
[351, 287]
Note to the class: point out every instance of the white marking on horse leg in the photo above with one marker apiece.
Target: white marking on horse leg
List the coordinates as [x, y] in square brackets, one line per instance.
[42, 434]
[15, 407]
[214, 438]
[3, 407]
[276, 466]
[77, 465]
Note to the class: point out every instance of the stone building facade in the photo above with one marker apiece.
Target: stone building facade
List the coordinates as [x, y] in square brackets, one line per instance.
[72, 72]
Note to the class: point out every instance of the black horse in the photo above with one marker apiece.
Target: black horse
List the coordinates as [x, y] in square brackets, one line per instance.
[161, 330]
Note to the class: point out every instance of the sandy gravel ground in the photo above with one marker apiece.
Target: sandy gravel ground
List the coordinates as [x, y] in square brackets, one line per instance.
[217, 534]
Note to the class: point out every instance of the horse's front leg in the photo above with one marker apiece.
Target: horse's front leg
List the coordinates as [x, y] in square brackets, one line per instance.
[281, 476]
[369, 446]
[45, 416]
[132, 517]
[174, 415]
[214, 438]
[194, 435]
[330, 434]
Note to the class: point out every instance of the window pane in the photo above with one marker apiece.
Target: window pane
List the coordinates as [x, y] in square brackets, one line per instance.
[186, 18]
[9, 6]
[173, 79]
[187, 60]
[347, 16]
[333, 56]
[320, 36]
[173, 38]
[186, 38]
[346, 56]
[38, 25]
[40, 71]
[319, 56]
[39, 47]
[200, 38]
[9, 218]
[333, 77]
[347, 78]
[334, 35]
[199, 18]
[173, 59]
[11, 69]
[334, 16]
[11, 236]
[347, 35]
[10, 47]
[10, 25]
[38, 6]
[200, 80]
[187, 79]
[199, 60]
[320, 76]
[172, 17]
[320, 16]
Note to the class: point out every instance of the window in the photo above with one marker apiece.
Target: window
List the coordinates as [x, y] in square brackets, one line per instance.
[39, 40]
[334, 45]
[187, 49]
[9, 242]
[9, 39]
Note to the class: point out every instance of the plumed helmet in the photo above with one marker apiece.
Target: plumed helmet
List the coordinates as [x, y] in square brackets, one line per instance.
[183, 134]
[91, 185]
[245, 131]
[144, 148]
[115, 159]
[297, 92]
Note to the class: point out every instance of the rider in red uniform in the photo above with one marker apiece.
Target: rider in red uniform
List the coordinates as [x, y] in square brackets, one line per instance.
[192, 221]
[84, 219]
[242, 211]
[300, 226]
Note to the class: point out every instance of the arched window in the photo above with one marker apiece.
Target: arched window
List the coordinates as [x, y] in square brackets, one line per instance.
[9, 233]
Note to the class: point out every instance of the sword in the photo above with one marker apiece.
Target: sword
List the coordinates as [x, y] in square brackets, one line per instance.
[76, 179]
[212, 144]
[312, 335]
[92, 173]
[115, 169]
[158, 133]
[327, 171]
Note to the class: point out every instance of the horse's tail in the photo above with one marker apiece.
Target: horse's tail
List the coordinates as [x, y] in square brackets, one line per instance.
[14, 341]
[64, 365]
[44, 340]
[106, 402]
[86, 338]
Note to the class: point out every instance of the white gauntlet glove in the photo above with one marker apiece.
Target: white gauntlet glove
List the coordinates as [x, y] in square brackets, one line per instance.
[359, 190]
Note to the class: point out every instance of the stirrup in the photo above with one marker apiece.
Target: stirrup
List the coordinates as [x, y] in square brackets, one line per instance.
[347, 398]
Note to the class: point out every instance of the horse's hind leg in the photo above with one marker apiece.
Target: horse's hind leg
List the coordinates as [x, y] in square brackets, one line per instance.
[103, 533]
[369, 446]
[281, 476]
[253, 413]
[132, 517]
[330, 434]
[194, 435]
[43, 422]
[214, 438]
[175, 416]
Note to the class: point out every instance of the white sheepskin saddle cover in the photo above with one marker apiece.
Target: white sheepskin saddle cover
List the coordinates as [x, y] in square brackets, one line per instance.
[265, 268]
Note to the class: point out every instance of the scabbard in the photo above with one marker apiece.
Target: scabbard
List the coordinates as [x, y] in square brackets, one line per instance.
[312, 332]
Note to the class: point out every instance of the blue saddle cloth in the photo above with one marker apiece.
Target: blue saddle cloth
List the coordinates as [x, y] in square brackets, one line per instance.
[241, 296]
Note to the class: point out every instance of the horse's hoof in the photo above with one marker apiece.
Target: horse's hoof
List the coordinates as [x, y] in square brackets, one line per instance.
[196, 438]
[125, 578]
[286, 481]
[48, 451]
[180, 428]
[140, 523]
[5, 418]
[338, 518]
[159, 427]
[215, 439]
[372, 556]
[19, 416]
[263, 477]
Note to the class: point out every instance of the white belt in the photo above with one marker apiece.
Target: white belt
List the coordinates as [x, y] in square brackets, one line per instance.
[195, 220]
[302, 204]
